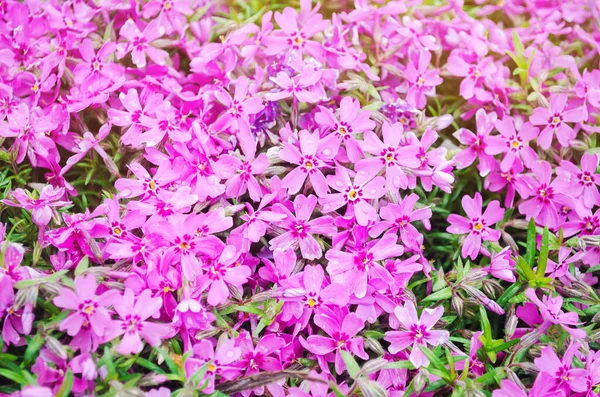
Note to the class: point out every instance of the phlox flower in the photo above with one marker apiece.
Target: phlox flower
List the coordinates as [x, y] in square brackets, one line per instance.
[341, 336]
[512, 143]
[354, 194]
[389, 154]
[560, 372]
[351, 121]
[473, 70]
[308, 162]
[422, 81]
[547, 201]
[41, 207]
[300, 228]
[555, 121]
[220, 361]
[134, 311]
[416, 332]
[140, 43]
[552, 313]
[398, 218]
[355, 269]
[582, 182]
[477, 144]
[222, 271]
[95, 65]
[88, 308]
[477, 225]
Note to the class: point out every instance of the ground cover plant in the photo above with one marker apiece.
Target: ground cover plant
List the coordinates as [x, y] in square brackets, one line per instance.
[281, 198]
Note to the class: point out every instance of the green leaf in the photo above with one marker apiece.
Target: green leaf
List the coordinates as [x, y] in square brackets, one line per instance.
[351, 364]
[8, 374]
[67, 384]
[435, 385]
[524, 268]
[509, 293]
[505, 345]
[404, 364]
[443, 294]
[433, 359]
[543, 260]
[519, 49]
[82, 265]
[485, 324]
[531, 244]
[33, 349]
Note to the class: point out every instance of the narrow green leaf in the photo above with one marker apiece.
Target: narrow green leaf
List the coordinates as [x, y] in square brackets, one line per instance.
[351, 364]
[531, 244]
[485, 324]
[67, 384]
[82, 265]
[543, 260]
[404, 364]
[434, 360]
[443, 294]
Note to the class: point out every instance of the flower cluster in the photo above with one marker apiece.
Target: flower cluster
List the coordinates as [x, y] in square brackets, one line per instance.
[383, 198]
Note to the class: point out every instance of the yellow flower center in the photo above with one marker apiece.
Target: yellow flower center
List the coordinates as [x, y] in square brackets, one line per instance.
[478, 226]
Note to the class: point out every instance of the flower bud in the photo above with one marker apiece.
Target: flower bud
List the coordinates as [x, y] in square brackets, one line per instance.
[374, 345]
[457, 304]
[420, 380]
[373, 366]
[511, 326]
[56, 347]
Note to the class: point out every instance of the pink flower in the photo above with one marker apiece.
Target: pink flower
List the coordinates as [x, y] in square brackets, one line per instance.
[422, 81]
[352, 121]
[88, 308]
[354, 269]
[300, 87]
[95, 65]
[308, 162]
[342, 336]
[293, 39]
[560, 372]
[220, 360]
[555, 120]
[548, 196]
[300, 228]
[512, 143]
[354, 194]
[502, 266]
[582, 182]
[390, 154]
[238, 112]
[552, 313]
[222, 271]
[140, 43]
[397, 218]
[417, 332]
[240, 175]
[472, 69]
[41, 208]
[133, 325]
[477, 144]
[478, 226]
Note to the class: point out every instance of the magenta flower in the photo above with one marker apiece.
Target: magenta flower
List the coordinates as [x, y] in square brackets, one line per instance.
[139, 43]
[390, 154]
[473, 70]
[397, 218]
[342, 336]
[256, 222]
[238, 112]
[422, 81]
[300, 228]
[417, 332]
[41, 208]
[478, 225]
[354, 269]
[299, 87]
[549, 197]
[308, 293]
[352, 121]
[477, 144]
[145, 185]
[134, 311]
[308, 164]
[222, 271]
[555, 121]
[502, 266]
[88, 308]
[293, 39]
[542, 387]
[582, 182]
[354, 194]
[89, 142]
[512, 143]
[240, 175]
[560, 372]
[220, 361]
[95, 65]
[552, 313]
